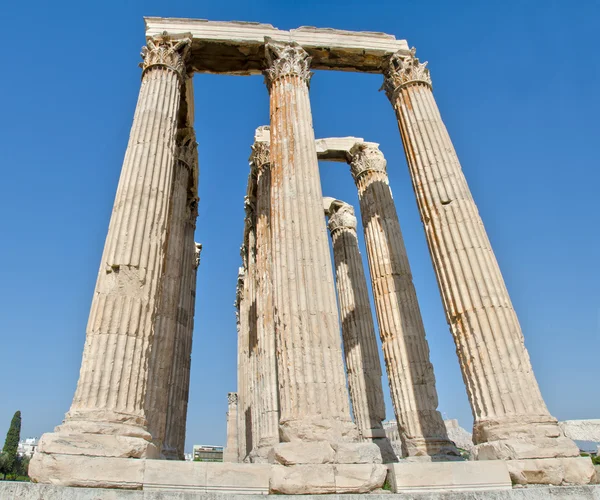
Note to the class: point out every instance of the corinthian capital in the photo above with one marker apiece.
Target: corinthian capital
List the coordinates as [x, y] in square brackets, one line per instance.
[168, 52]
[260, 156]
[285, 59]
[366, 157]
[341, 215]
[232, 398]
[403, 69]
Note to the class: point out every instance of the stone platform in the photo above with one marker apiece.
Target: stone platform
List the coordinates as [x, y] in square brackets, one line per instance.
[27, 491]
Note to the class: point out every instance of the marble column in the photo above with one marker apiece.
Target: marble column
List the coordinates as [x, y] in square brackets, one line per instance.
[249, 249]
[405, 348]
[230, 454]
[241, 305]
[179, 378]
[266, 400]
[166, 350]
[108, 416]
[511, 418]
[363, 367]
[313, 396]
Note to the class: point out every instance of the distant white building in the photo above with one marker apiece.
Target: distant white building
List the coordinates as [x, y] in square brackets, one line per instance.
[27, 447]
[207, 453]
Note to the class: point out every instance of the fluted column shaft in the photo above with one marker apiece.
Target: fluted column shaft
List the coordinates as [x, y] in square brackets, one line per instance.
[179, 378]
[358, 331]
[164, 353]
[266, 400]
[310, 370]
[230, 454]
[405, 348]
[252, 419]
[114, 373]
[502, 389]
[244, 431]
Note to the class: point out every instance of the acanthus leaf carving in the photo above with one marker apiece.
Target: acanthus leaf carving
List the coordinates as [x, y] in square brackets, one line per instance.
[168, 52]
[366, 157]
[232, 398]
[260, 156]
[285, 59]
[402, 69]
[341, 216]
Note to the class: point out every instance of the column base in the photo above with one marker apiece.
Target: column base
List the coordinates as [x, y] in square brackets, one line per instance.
[263, 452]
[388, 455]
[323, 452]
[521, 438]
[87, 471]
[552, 471]
[117, 437]
[326, 478]
[318, 429]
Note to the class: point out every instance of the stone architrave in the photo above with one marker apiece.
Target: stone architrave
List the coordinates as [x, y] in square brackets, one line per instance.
[108, 416]
[266, 400]
[363, 367]
[231, 452]
[511, 418]
[405, 348]
[315, 424]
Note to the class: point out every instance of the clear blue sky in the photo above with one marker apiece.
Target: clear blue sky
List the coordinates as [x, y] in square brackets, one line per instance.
[517, 85]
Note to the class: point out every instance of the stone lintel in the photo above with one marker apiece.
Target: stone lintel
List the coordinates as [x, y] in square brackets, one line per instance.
[336, 148]
[236, 47]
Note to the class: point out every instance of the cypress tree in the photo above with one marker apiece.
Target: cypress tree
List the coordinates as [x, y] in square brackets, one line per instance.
[11, 444]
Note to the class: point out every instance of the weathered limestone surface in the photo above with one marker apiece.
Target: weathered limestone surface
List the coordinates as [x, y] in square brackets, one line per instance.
[30, 491]
[266, 401]
[511, 418]
[322, 479]
[405, 348]
[109, 400]
[358, 331]
[313, 396]
[175, 382]
[312, 390]
[180, 375]
[179, 380]
[248, 254]
[243, 365]
[552, 471]
[582, 430]
[409, 477]
[159, 377]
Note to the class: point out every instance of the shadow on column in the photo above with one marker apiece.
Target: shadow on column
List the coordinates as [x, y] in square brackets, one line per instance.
[376, 406]
[421, 375]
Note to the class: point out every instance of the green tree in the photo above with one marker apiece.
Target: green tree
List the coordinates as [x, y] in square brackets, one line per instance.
[8, 463]
[4, 465]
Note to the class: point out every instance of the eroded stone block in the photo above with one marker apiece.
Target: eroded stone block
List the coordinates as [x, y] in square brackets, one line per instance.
[319, 452]
[552, 471]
